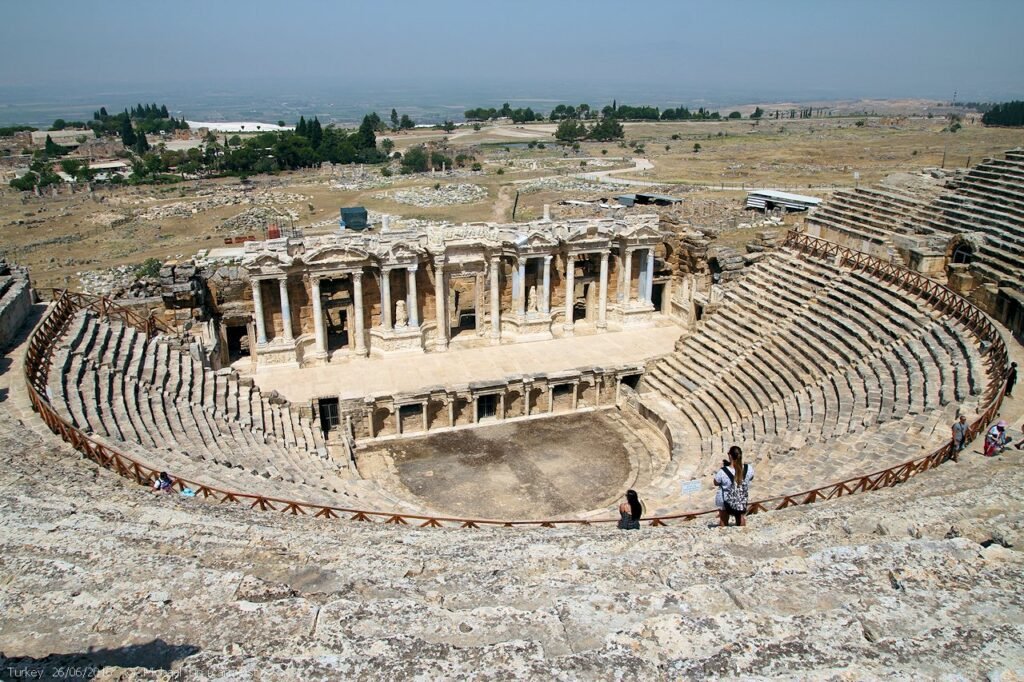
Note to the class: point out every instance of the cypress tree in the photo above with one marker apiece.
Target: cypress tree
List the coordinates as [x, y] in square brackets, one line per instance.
[127, 133]
[316, 133]
[301, 129]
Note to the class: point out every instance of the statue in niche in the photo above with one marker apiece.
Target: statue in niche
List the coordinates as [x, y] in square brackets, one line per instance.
[401, 317]
[531, 305]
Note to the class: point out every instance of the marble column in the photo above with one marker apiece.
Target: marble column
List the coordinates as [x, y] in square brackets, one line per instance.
[357, 294]
[514, 307]
[478, 302]
[425, 403]
[385, 303]
[451, 412]
[545, 302]
[602, 306]
[257, 305]
[521, 301]
[627, 277]
[495, 299]
[527, 389]
[318, 316]
[570, 291]
[441, 306]
[412, 302]
[649, 272]
[286, 309]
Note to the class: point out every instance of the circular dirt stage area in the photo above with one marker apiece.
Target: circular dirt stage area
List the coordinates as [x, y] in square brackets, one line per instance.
[532, 469]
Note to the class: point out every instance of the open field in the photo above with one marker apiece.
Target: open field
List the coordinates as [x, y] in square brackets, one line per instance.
[59, 236]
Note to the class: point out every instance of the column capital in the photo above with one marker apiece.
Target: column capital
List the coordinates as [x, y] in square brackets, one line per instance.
[547, 258]
[413, 268]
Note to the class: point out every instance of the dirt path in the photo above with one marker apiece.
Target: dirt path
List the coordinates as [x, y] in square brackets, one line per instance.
[503, 205]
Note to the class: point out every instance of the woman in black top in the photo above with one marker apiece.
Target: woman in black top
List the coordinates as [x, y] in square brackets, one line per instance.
[630, 512]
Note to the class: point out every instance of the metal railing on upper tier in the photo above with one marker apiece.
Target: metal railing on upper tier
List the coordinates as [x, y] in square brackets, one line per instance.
[44, 338]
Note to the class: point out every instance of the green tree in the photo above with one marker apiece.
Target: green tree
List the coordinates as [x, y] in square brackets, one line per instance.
[696, 147]
[366, 137]
[234, 141]
[394, 119]
[415, 160]
[758, 113]
[281, 124]
[76, 168]
[59, 124]
[406, 123]
[26, 182]
[735, 114]
[570, 130]
[316, 133]
[607, 129]
[127, 132]
[51, 148]
[448, 126]
[387, 145]
[141, 143]
[301, 128]
[1005, 114]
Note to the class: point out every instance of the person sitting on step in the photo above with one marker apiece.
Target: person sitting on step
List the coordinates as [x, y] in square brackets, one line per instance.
[630, 512]
[163, 483]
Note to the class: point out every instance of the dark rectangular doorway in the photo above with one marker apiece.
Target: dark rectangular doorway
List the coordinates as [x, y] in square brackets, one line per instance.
[330, 416]
[486, 407]
[337, 327]
[657, 294]
[237, 337]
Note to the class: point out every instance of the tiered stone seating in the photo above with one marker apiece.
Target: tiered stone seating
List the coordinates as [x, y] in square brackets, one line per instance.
[155, 402]
[989, 200]
[871, 215]
[840, 367]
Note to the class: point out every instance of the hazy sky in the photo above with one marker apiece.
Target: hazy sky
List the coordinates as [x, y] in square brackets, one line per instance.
[735, 48]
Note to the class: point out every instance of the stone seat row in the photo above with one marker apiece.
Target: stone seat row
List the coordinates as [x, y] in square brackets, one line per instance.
[180, 376]
[143, 397]
[852, 356]
[106, 401]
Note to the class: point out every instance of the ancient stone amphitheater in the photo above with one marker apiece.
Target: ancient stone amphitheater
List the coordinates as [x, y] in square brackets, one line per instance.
[838, 369]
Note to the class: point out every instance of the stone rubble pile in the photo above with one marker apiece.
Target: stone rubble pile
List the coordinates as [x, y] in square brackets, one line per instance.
[256, 219]
[119, 282]
[107, 219]
[222, 197]
[729, 260]
[770, 221]
[568, 184]
[766, 241]
[445, 195]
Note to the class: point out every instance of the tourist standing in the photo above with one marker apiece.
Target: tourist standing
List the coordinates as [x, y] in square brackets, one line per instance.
[1011, 378]
[630, 512]
[959, 436]
[733, 481]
